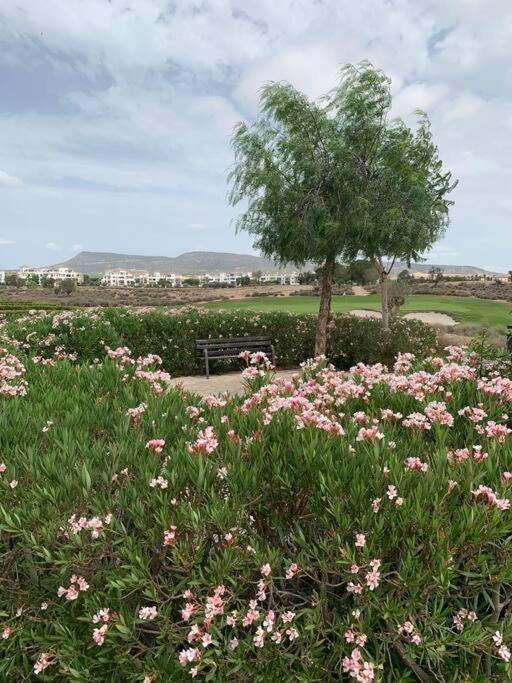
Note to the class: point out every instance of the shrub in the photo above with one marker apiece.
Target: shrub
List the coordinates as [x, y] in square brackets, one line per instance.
[340, 527]
[172, 335]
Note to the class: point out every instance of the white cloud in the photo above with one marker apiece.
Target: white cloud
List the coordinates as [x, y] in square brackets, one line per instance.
[7, 180]
[422, 96]
[77, 247]
[6, 243]
[52, 246]
[462, 107]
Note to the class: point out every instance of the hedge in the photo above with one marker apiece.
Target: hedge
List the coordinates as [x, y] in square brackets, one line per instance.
[172, 335]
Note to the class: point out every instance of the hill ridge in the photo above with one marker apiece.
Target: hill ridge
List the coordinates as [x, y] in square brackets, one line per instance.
[201, 261]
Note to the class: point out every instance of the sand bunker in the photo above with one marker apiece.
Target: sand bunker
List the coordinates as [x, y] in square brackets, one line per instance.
[429, 317]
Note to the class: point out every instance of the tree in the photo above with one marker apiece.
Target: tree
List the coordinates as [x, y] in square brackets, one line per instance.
[362, 272]
[337, 180]
[307, 278]
[510, 275]
[436, 274]
[405, 277]
[65, 286]
[14, 280]
[301, 167]
[91, 280]
[403, 188]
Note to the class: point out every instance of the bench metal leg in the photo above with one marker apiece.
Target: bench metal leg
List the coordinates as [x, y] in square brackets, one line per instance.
[272, 350]
[206, 364]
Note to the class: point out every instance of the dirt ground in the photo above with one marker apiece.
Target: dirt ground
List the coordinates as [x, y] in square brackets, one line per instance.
[143, 296]
[230, 383]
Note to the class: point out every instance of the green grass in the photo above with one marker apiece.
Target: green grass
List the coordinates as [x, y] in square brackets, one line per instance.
[462, 309]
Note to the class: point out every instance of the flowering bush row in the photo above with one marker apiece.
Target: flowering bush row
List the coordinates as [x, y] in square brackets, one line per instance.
[335, 526]
[172, 335]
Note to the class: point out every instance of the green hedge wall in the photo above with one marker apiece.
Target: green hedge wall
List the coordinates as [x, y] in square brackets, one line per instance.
[172, 335]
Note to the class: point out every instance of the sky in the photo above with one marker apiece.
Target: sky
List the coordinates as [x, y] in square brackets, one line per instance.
[116, 115]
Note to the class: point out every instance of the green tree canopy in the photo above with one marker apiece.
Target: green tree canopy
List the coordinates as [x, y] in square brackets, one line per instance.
[336, 179]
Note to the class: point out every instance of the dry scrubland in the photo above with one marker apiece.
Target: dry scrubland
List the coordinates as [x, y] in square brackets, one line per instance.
[141, 296]
[501, 291]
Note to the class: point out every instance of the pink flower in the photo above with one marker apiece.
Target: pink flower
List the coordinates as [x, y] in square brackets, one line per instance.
[156, 445]
[148, 613]
[205, 443]
[77, 585]
[498, 638]
[259, 638]
[504, 653]
[98, 635]
[187, 611]
[416, 464]
[6, 632]
[44, 661]
[287, 617]
[170, 536]
[13, 483]
[372, 579]
[360, 541]
[206, 640]
[392, 492]
[292, 570]
[292, 634]
[266, 570]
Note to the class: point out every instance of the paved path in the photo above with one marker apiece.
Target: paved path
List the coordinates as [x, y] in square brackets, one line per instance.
[218, 384]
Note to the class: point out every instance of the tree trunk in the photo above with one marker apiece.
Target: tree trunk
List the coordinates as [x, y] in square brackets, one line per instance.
[325, 308]
[384, 298]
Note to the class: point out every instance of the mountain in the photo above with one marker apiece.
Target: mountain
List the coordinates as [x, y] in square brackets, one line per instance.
[447, 269]
[197, 262]
[190, 263]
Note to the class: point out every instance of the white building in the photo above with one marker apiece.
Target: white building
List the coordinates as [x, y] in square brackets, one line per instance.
[130, 278]
[280, 278]
[2, 277]
[232, 279]
[118, 278]
[56, 274]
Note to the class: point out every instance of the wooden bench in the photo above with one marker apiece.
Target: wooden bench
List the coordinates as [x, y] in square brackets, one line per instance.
[231, 347]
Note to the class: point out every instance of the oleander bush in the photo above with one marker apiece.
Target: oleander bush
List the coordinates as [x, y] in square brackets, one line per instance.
[338, 526]
[172, 335]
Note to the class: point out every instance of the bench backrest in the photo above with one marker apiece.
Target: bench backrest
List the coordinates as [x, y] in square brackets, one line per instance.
[233, 345]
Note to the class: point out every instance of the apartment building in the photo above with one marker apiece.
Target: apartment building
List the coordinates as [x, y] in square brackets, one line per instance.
[231, 279]
[280, 278]
[2, 277]
[57, 274]
[131, 278]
